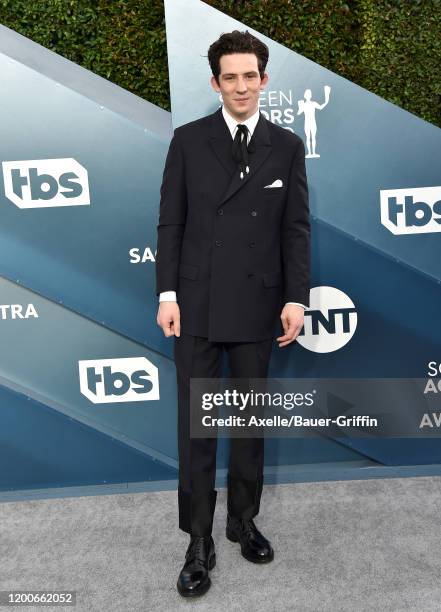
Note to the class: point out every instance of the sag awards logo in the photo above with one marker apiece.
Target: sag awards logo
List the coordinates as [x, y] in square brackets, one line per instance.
[330, 321]
[138, 255]
[432, 388]
[130, 379]
[42, 183]
[17, 311]
[415, 210]
[278, 107]
[433, 383]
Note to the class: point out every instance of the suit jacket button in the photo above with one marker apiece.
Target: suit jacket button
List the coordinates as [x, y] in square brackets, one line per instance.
[250, 274]
[218, 243]
[220, 211]
[252, 244]
[254, 213]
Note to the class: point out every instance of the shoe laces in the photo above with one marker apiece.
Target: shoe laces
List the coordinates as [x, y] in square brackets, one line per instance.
[197, 548]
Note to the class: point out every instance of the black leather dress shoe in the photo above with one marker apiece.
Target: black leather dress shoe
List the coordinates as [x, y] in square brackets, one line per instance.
[254, 546]
[200, 557]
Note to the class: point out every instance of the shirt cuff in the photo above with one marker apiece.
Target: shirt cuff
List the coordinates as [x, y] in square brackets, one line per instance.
[297, 304]
[167, 296]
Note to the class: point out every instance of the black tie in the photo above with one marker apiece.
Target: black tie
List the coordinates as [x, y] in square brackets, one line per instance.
[240, 149]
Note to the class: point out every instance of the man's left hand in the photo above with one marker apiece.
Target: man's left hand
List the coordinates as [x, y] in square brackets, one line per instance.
[292, 321]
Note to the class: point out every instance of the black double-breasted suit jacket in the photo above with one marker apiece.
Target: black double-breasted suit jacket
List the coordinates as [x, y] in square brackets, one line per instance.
[234, 250]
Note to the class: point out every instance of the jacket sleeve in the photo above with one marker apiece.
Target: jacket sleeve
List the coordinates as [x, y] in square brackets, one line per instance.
[172, 217]
[295, 233]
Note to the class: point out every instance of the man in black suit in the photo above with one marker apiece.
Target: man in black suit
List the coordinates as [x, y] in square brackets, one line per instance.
[233, 260]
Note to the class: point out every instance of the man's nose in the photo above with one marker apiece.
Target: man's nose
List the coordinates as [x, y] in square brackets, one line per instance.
[241, 86]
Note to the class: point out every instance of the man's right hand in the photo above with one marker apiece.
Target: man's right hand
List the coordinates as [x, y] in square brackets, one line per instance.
[169, 318]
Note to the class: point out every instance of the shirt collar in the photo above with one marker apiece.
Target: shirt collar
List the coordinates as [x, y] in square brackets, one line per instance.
[231, 122]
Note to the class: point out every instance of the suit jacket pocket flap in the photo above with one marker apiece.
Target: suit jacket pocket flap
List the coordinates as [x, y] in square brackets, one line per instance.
[272, 279]
[188, 271]
[273, 190]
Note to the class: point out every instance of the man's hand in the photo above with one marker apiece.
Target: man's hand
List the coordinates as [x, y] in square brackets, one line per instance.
[292, 321]
[169, 318]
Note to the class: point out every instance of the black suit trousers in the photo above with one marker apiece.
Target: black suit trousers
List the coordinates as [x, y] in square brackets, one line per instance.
[197, 357]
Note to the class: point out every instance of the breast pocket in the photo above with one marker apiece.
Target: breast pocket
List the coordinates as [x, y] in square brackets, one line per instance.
[273, 192]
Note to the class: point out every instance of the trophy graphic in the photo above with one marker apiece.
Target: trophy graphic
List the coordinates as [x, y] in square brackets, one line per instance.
[307, 107]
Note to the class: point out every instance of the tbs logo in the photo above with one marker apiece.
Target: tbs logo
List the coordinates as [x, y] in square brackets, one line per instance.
[411, 211]
[132, 379]
[330, 321]
[41, 183]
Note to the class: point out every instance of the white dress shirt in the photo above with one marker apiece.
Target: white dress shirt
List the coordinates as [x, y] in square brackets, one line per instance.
[251, 122]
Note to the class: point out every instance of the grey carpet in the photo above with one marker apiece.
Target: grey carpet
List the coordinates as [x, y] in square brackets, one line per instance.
[339, 546]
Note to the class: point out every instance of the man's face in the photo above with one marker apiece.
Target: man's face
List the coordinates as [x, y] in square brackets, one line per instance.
[239, 84]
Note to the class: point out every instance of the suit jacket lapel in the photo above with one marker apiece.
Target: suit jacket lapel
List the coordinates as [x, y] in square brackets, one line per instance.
[221, 141]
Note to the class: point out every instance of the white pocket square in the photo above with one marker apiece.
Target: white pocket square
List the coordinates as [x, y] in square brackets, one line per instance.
[276, 183]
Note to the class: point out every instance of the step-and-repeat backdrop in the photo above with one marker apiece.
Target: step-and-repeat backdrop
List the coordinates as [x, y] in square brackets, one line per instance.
[87, 379]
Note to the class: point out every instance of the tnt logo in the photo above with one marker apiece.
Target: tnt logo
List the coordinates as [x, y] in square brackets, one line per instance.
[132, 379]
[330, 321]
[40, 183]
[411, 211]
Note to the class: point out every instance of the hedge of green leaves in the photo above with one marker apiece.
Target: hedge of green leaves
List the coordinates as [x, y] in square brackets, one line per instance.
[390, 47]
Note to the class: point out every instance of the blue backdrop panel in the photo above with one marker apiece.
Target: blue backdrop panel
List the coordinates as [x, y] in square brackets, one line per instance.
[42, 448]
[45, 364]
[86, 257]
[77, 278]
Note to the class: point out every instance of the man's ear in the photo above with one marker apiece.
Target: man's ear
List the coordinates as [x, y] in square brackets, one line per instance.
[214, 84]
[264, 80]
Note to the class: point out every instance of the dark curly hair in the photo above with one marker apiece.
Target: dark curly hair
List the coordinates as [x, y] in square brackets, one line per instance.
[237, 42]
